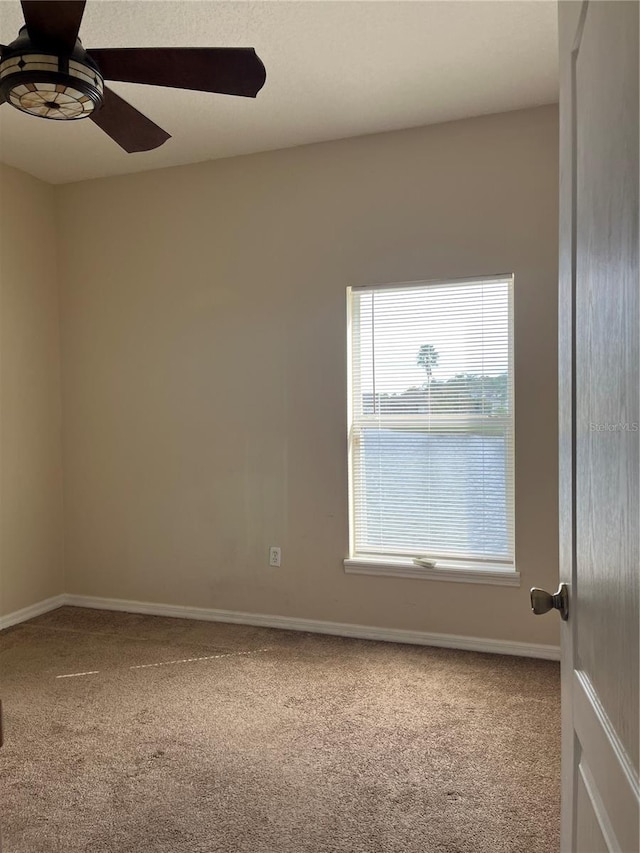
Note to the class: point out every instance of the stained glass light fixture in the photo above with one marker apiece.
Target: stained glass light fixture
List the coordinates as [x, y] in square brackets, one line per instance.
[50, 85]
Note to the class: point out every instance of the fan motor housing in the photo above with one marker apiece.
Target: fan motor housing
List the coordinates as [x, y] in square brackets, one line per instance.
[37, 80]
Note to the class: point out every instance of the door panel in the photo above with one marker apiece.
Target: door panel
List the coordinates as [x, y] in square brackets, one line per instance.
[606, 356]
[604, 768]
[599, 418]
[590, 838]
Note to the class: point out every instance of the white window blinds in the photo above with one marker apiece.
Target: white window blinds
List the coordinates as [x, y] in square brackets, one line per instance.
[431, 421]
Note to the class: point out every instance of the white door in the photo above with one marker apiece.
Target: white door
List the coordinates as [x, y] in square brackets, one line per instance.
[599, 415]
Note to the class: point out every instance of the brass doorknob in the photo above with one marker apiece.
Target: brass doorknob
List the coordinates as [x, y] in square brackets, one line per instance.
[543, 601]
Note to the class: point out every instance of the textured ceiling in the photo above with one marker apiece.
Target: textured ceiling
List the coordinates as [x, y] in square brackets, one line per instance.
[334, 69]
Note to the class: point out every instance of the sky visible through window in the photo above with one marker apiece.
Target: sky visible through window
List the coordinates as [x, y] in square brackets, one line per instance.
[395, 323]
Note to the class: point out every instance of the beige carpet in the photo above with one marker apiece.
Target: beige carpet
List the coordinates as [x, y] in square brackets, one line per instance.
[195, 737]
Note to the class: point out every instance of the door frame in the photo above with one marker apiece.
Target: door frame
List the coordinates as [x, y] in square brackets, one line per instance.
[571, 17]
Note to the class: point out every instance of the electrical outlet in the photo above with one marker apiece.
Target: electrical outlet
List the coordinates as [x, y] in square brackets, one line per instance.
[274, 556]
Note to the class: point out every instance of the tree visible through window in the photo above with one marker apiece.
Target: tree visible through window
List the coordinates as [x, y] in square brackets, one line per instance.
[431, 421]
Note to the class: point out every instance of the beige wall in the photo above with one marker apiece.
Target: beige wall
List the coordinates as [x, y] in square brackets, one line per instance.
[204, 365]
[31, 525]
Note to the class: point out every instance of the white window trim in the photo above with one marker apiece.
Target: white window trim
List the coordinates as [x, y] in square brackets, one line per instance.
[445, 570]
[404, 567]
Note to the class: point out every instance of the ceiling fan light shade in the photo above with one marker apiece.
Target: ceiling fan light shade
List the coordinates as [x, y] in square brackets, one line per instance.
[48, 85]
[49, 100]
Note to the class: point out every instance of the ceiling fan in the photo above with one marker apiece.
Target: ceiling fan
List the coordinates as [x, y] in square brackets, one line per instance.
[47, 72]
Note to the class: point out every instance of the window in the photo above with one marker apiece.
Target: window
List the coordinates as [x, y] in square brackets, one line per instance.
[431, 443]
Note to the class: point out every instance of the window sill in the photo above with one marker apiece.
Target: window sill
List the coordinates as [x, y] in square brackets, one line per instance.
[448, 570]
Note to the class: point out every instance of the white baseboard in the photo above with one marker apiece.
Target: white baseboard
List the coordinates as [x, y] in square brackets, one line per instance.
[341, 629]
[314, 626]
[32, 611]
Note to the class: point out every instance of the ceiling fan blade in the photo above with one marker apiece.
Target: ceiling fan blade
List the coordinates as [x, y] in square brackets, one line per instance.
[53, 22]
[126, 125]
[225, 70]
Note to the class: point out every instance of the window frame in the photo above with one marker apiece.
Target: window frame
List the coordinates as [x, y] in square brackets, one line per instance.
[498, 571]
